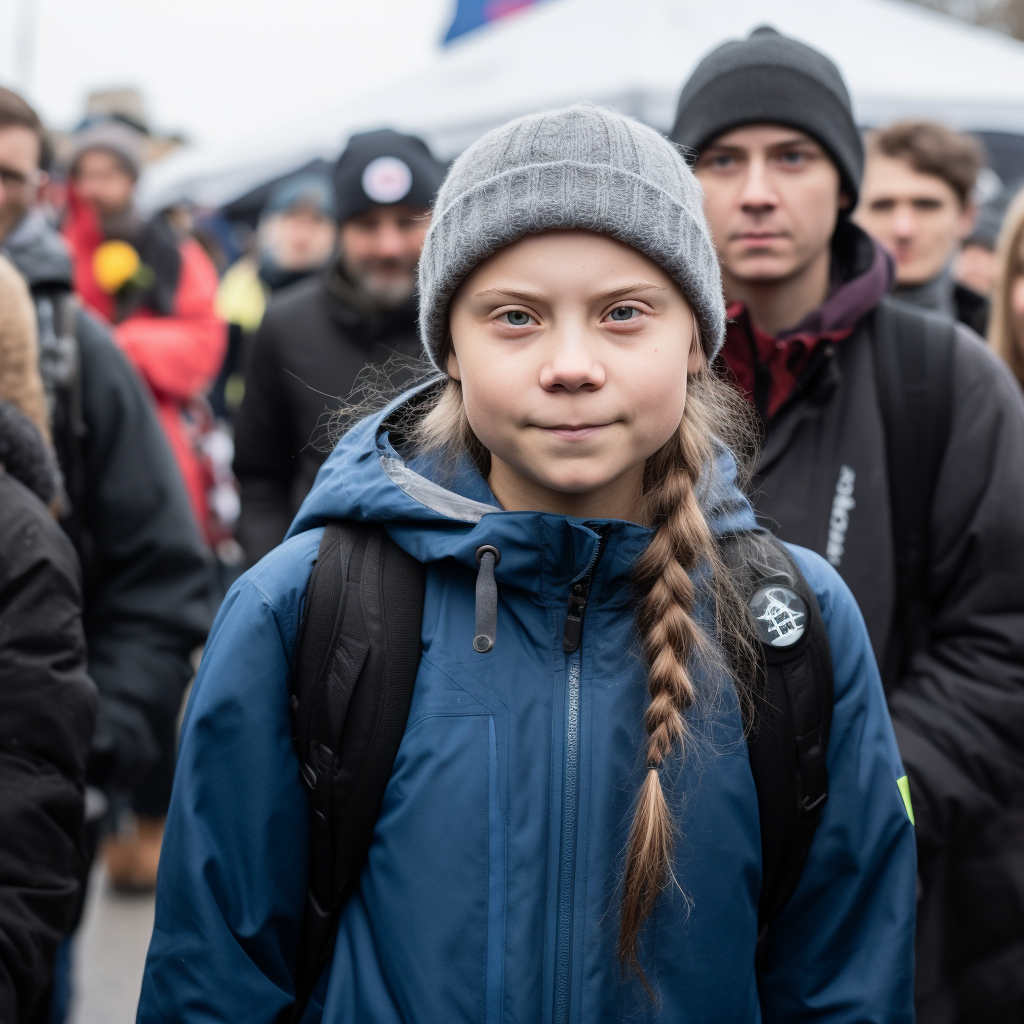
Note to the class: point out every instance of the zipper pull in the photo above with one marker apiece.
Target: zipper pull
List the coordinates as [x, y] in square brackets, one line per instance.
[573, 630]
[574, 617]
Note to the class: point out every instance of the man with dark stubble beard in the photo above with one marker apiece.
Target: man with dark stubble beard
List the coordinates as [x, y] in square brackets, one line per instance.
[317, 335]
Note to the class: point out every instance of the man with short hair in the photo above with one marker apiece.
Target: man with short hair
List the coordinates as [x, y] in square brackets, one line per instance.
[147, 581]
[317, 335]
[917, 200]
[893, 443]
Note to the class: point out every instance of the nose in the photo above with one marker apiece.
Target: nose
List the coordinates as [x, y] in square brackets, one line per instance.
[572, 364]
[758, 195]
[389, 242]
[903, 222]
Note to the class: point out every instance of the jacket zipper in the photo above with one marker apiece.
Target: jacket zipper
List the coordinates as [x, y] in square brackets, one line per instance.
[572, 634]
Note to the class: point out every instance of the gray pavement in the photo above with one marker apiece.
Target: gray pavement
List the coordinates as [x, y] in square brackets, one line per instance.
[110, 954]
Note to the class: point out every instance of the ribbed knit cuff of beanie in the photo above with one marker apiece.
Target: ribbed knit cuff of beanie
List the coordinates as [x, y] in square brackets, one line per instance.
[581, 167]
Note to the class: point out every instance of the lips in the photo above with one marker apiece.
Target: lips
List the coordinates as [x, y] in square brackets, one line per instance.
[574, 431]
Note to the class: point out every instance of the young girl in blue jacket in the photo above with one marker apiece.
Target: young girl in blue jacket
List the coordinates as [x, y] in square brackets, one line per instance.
[567, 835]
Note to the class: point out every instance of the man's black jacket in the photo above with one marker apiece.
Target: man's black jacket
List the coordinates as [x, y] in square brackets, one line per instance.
[47, 708]
[303, 361]
[958, 709]
[148, 583]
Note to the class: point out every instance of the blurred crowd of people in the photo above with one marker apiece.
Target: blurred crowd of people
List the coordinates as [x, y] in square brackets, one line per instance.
[167, 385]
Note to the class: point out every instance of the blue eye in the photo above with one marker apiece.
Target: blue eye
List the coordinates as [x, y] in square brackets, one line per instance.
[621, 313]
[517, 318]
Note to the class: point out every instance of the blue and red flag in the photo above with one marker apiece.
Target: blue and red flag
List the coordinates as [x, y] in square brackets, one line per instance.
[471, 14]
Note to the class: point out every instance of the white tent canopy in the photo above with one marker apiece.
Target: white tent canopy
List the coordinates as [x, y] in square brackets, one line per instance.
[898, 59]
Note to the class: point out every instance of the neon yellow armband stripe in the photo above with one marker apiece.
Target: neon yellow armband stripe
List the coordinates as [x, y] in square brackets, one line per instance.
[904, 787]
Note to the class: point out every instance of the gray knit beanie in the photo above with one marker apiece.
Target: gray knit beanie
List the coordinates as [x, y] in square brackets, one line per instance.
[578, 167]
[113, 136]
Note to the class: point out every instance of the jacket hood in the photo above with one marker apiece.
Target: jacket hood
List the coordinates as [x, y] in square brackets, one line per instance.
[38, 252]
[20, 380]
[435, 510]
[862, 274]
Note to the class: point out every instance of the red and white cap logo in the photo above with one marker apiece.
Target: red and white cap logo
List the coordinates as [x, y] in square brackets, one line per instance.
[387, 179]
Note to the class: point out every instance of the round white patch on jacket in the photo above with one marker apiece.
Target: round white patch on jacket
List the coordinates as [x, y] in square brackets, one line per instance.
[780, 615]
[387, 179]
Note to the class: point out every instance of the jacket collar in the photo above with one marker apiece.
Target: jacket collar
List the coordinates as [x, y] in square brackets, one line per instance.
[773, 371]
[436, 511]
[862, 273]
[936, 294]
[38, 252]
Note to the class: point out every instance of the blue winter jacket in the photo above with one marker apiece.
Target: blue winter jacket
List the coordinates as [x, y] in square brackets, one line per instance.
[492, 887]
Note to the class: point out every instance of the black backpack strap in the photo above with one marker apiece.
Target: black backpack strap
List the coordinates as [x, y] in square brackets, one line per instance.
[351, 685]
[788, 730]
[57, 312]
[913, 352]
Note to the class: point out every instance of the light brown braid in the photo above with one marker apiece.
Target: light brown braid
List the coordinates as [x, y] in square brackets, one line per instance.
[671, 636]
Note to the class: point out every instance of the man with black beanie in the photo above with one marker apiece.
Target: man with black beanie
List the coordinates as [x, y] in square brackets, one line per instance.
[892, 448]
[317, 335]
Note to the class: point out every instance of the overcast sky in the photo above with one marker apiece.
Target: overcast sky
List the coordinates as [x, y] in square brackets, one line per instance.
[216, 70]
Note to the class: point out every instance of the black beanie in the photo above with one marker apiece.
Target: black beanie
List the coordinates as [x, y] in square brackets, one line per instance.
[769, 78]
[383, 168]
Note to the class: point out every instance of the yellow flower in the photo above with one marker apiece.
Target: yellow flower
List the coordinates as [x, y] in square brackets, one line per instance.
[114, 264]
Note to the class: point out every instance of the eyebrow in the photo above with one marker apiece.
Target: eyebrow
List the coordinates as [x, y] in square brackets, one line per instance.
[612, 293]
[794, 140]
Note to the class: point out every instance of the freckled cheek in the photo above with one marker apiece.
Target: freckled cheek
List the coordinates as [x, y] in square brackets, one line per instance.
[658, 405]
[493, 397]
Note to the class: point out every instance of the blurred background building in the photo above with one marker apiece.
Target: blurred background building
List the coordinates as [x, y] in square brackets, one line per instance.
[901, 60]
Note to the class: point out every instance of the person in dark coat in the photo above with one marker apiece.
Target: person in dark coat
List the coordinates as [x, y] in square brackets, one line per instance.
[147, 579]
[917, 200]
[780, 160]
[47, 700]
[317, 335]
[295, 240]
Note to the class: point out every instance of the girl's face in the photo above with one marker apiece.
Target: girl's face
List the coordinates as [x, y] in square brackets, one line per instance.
[573, 350]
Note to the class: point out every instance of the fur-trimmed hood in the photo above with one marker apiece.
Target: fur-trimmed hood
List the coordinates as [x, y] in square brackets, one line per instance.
[24, 429]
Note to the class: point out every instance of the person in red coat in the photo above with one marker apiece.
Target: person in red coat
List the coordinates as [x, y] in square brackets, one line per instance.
[156, 290]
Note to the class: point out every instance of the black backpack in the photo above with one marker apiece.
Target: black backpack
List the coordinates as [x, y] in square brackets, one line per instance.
[351, 685]
[913, 355]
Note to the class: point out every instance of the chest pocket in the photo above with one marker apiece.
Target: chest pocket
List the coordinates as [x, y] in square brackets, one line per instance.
[435, 879]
